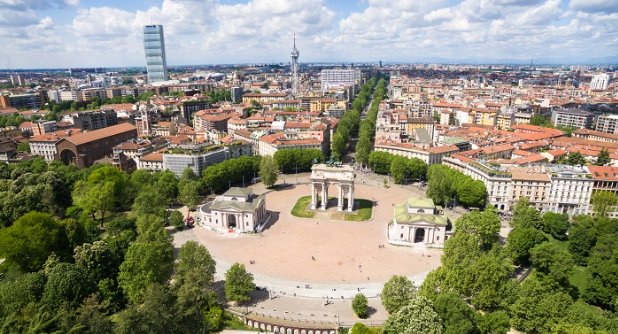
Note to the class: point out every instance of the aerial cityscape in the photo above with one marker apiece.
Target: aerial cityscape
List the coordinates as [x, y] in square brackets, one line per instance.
[309, 167]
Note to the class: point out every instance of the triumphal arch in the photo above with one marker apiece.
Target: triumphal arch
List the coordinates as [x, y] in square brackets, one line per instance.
[322, 176]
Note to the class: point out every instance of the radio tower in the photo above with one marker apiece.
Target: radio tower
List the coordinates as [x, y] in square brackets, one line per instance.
[295, 55]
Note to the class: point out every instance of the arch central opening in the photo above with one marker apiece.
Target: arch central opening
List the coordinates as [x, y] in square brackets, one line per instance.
[419, 236]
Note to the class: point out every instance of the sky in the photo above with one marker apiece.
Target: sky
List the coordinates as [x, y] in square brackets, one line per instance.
[108, 33]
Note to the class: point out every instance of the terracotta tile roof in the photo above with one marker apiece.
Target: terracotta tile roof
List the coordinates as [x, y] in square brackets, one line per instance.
[158, 157]
[527, 174]
[607, 173]
[101, 133]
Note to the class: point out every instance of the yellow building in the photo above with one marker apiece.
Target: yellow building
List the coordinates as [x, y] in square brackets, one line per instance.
[484, 116]
[503, 121]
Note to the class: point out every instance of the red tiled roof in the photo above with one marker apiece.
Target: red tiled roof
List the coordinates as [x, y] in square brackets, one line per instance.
[101, 133]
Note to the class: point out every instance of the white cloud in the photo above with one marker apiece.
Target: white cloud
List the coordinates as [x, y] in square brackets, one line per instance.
[595, 6]
[214, 31]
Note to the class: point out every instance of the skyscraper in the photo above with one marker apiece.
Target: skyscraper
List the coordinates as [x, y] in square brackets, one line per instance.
[295, 55]
[154, 47]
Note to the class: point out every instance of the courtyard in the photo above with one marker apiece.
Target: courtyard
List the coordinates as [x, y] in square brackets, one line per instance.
[317, 250]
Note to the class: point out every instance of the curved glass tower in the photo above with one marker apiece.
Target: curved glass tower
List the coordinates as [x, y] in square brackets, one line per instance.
[154, 47]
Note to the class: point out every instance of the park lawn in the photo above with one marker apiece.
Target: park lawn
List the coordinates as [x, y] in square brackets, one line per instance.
[365, 207]
[300, 209]
[580, 279]
[563, 245]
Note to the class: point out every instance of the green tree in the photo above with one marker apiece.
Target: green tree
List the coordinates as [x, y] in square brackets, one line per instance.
[89, 318]
[526, 216]
[338, 145]
[156, 314]
[538, 308]
[417, 317]
[268, 171]
[520, 241]
[360, 328]
[582, 238]
[66, 283]
[495, 323]
[97, 260]
[97, 198]
[439, 187]
[397, 292]
[189, 194]
[576, 158]
[457, 316]
[417, 169]
[359, 305]
[177, 220]
[31, 240]
[538, 120]
[603, 202]
[363, 149]
[23, 147]
[167, 186]
[145, 264]
[485, 225]
[603, 267]
[556, 224]
[399, 168]
[17, 292]
[603, 158]
[553, 266]
[150, 202]
[195, 263]
[238, 284]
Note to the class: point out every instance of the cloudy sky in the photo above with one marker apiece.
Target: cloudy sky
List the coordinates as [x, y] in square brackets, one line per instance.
[106, 33]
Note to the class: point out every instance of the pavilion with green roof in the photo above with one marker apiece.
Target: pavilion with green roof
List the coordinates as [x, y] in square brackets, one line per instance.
[419, 221]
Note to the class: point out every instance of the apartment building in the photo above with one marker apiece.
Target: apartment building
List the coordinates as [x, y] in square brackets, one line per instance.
[572, 118]
[607, 124]
[555, 188]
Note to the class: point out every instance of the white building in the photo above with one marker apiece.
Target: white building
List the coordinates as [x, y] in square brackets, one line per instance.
[340, 78]
[600, 82]
[238, 210]
[419, 221]
[44, 146]
[152, 162]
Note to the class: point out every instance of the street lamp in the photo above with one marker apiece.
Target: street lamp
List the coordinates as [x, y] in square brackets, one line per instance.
[296, 176]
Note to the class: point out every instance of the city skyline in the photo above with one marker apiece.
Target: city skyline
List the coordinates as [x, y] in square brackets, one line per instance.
[74, 33]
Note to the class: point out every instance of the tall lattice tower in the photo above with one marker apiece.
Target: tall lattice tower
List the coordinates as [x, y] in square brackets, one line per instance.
[295, 55]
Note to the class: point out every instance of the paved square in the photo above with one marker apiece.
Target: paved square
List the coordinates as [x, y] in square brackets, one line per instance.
[324, 251]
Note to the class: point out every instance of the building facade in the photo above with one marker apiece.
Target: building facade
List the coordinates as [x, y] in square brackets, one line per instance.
[419, 221]
[237, 210]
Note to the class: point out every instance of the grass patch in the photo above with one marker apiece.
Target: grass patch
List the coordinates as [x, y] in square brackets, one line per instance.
[580, 279]
[230, 321]
[300, 209]
[563, 245]
[365, 208]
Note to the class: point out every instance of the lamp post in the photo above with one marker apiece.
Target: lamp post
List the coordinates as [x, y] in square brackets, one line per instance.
[229, 184]
[296, 176]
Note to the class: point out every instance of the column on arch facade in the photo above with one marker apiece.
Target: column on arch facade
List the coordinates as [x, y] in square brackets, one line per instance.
[314, 195]
[340, 197]
[324, 195]
[351, 198]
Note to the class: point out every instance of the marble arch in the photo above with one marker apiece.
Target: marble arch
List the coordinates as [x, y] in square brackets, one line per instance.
[322, 176]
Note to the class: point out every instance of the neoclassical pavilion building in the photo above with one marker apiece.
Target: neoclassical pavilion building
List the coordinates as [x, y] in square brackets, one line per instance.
[237, 209]
[419, 221]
